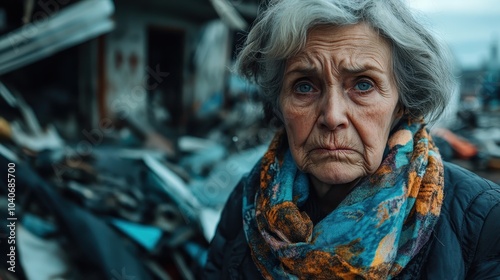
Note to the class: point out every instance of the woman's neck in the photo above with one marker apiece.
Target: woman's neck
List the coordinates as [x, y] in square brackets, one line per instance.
[330, 196]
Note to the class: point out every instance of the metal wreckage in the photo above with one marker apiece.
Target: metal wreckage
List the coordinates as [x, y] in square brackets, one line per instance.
[121, 200]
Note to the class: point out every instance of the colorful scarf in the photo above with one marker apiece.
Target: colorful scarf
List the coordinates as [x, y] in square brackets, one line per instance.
[372, 234]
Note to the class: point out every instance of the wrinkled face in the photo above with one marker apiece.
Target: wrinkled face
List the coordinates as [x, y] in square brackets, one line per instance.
[339, 101]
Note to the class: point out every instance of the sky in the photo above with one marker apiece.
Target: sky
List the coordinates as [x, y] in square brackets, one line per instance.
[468, 27]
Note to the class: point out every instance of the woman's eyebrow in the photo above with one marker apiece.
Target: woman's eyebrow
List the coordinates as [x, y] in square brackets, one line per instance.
[358, 69]
[309, 70]
[302, 70]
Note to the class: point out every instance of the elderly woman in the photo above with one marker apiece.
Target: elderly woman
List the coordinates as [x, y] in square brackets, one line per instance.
[352, 186]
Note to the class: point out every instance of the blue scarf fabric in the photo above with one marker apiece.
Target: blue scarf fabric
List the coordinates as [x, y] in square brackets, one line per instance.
[372, 234]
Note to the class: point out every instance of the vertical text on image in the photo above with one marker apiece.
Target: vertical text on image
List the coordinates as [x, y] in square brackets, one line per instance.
[11, 218]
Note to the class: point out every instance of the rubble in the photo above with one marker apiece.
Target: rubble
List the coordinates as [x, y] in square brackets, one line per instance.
[155, 210]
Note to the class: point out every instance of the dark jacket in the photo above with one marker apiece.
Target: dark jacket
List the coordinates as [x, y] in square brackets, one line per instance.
[465, 244]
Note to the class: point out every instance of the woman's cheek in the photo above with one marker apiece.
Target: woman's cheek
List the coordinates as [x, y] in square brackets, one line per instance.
[298, 124]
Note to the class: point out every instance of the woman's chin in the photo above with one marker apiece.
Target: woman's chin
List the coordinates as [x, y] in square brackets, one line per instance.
[337, 176]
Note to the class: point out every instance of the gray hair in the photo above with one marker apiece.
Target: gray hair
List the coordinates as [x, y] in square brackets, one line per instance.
[422, 66]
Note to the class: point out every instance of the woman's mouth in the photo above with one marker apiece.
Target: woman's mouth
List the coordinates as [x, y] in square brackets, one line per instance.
[333, 150]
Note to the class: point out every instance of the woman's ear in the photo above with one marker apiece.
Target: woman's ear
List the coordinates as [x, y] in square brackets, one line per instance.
[399, 112]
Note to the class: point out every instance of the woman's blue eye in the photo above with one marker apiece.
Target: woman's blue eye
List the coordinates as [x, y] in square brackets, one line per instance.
[304, 88]
[363, 86]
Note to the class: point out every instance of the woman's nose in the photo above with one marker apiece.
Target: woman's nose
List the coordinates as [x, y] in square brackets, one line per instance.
[334, 110]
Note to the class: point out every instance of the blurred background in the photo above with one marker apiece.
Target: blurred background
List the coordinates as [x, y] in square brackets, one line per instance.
[128, 129]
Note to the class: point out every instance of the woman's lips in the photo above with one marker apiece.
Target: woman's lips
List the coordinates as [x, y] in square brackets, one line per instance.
[333, 150]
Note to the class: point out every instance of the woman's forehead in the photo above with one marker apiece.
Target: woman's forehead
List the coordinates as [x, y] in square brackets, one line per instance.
[354, 47]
